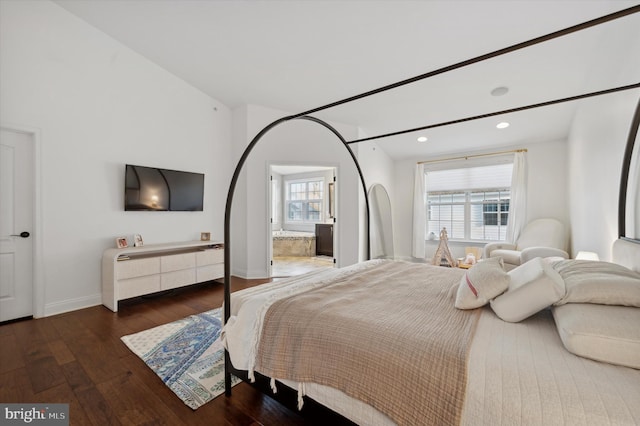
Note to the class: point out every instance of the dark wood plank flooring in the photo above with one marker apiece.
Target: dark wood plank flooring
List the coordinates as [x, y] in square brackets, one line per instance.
[78, 358]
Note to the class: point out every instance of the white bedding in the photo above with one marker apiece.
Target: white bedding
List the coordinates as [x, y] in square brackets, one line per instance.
[518, 373]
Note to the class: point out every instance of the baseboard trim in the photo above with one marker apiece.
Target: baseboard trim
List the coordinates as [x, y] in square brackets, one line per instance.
[249, 274]
[69, 305]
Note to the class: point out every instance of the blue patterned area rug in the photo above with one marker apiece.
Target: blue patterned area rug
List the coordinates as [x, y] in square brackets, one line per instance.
[187, 355]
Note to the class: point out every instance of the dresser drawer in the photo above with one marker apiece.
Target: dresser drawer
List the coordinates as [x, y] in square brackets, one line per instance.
[175, 279]
[210, 272]
[137, 268]
[136, 271]
[209, 257]
[138, 286]
[177, 262]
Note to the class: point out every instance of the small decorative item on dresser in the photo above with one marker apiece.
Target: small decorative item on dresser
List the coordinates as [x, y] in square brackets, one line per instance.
[121, 242]
[205, 236]
[137, 240]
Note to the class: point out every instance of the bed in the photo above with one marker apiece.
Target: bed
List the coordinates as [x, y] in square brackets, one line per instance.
[388, 342]
[511, 373]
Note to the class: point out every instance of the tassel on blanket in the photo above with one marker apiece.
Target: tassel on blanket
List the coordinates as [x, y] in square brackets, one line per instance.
[301, 392]
[272, 383]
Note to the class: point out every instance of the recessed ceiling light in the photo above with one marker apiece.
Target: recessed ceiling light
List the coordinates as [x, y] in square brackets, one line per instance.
[499, 91]
[502, 125]
[422, 139]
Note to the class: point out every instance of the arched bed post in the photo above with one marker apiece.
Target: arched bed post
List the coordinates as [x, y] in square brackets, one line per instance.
[227, 219]
[304, 115]
[624, 176]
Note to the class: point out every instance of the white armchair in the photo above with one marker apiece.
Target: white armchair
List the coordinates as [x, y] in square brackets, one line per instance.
[540, 238]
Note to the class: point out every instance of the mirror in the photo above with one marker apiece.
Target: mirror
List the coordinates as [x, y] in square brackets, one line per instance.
[629, 215]
[381, 226]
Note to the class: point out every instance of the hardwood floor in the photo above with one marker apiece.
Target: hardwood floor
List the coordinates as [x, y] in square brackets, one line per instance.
[78, 358]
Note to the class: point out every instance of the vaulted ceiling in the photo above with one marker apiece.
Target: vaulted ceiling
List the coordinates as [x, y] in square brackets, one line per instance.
[298, 55]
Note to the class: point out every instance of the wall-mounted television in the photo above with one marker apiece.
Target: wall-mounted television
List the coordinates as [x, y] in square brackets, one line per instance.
[154, 189]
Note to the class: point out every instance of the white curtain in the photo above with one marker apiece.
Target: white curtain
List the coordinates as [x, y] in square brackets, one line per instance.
[419, 212]
[518, 203]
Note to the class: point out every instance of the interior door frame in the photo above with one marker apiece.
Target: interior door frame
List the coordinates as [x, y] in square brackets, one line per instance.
[36, 232]
[269, 232]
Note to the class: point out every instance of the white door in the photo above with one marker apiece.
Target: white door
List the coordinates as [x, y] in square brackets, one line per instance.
[16, 224]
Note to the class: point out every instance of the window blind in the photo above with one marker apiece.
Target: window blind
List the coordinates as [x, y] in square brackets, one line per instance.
[470, 178]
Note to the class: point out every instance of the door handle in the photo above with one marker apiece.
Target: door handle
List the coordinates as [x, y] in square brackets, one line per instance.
[23, 234]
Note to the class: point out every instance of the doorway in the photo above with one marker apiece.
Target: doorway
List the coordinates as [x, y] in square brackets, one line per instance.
[17, 200]
[302, 222]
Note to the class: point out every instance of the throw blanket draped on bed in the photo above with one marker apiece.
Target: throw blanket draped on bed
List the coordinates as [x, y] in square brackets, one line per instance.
[389, 336]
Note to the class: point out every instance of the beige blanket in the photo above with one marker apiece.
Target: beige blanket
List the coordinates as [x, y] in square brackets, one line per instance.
[388, 336]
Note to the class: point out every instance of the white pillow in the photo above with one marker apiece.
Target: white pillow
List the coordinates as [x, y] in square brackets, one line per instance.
[481, 283]
[534, 286]
[603, 283]
[600, 332]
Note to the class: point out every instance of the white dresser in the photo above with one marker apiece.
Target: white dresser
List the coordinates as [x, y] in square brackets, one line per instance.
[136, 271]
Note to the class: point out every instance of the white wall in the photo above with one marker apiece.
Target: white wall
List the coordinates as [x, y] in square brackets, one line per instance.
[98, 105]
[377, 168]
[596, 148]
[297, 142]
[546, 194]
[238, 219]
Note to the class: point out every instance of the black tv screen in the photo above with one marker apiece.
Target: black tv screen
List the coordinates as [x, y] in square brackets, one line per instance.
[151, 188]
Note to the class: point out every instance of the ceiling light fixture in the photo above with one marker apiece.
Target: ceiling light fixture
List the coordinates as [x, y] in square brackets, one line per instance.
[422, 139]
[500, 91]
[502, 125]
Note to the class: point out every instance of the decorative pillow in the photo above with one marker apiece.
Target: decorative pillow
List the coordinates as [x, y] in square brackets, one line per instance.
[600, 332]
[603, 283]
[482, 282]
[533, 286]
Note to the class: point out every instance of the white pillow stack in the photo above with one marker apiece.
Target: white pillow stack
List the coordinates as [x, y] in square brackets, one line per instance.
[599, 316]
[533, 286]
[596, 305]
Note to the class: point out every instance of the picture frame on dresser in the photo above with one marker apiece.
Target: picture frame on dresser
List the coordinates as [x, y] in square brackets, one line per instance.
[121, 242]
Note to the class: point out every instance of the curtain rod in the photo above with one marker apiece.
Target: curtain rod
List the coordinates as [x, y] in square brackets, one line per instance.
[466, 157]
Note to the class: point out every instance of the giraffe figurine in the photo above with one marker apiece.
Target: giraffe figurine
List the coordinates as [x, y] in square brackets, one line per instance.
[443, 256]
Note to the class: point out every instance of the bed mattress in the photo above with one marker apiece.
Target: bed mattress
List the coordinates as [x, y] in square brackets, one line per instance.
[517, 373]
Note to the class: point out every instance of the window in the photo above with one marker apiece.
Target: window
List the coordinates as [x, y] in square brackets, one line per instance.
[472, 202]
[304, 200]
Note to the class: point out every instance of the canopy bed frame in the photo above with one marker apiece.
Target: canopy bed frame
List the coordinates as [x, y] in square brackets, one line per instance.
[306, 115]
